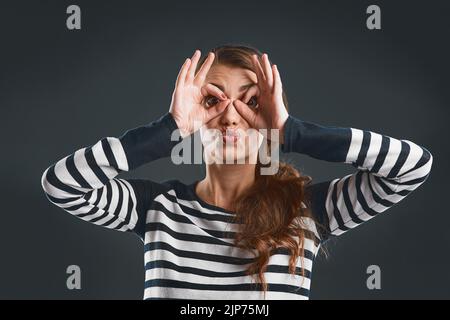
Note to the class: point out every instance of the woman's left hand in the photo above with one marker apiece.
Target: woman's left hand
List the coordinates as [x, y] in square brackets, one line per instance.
[270, 113]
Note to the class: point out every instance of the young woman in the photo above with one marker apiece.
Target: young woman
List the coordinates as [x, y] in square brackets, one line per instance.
[237, 233]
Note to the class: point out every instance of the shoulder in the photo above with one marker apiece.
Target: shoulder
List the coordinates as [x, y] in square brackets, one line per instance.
[150, 192]
[169, 188]
[147, 190]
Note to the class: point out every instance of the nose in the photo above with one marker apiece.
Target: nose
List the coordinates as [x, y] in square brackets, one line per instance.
[230, 117]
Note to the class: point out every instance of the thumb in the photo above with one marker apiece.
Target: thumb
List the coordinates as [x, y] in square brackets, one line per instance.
[245, 111]
[217, 109]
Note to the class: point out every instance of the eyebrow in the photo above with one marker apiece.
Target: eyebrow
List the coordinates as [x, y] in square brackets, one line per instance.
[242, 88]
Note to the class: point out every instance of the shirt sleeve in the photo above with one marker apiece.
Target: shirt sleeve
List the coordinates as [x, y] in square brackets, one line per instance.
[84, 183]
[388, 170]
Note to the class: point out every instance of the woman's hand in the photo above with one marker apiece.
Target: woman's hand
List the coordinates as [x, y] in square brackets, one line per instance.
[271, 112]
[187, 107]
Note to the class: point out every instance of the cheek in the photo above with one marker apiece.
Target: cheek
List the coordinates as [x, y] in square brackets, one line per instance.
[252, 141]
[256, 140]
[208, 134]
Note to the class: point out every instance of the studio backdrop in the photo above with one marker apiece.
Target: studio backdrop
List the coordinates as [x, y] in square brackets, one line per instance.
[75, 72]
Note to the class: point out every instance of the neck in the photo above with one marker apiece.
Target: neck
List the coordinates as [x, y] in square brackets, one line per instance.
[224, 183]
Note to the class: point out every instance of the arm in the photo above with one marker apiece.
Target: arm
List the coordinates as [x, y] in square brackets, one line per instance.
[388, 169]
[85, 184]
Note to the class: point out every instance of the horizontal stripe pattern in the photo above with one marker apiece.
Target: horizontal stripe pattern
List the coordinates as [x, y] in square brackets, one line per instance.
[189, 249]
[192, 246]
[388, 170]
[84, 185]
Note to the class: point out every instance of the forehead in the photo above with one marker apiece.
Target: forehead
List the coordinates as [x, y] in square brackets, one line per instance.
[230, 77]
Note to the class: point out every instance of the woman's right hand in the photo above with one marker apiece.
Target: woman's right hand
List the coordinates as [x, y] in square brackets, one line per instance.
[187, 106]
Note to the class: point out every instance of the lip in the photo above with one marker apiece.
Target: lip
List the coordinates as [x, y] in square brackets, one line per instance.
[232, 136]
[232, 132]
[233, 139]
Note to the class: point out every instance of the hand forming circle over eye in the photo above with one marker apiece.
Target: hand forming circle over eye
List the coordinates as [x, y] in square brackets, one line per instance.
[271, 112]
[187, 106]
[212, 95]
[251, 96]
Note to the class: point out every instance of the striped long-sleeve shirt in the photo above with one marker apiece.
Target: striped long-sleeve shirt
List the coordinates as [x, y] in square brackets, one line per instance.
[188, 243]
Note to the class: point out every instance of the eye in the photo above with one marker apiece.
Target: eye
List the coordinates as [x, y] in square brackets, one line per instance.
[253, 102]
[211, 100]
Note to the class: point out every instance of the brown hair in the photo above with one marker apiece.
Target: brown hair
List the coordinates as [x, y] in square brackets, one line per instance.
[270, 212]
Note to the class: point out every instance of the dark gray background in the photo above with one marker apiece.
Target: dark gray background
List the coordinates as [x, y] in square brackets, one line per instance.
[61, 90]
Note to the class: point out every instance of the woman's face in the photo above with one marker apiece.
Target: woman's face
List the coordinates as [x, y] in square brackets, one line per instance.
[228, 138]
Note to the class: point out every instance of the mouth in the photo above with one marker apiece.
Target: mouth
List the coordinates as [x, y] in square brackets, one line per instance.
[230, 135]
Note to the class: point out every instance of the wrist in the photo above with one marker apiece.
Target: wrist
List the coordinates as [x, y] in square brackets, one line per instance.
[184, 132]
[281, 128]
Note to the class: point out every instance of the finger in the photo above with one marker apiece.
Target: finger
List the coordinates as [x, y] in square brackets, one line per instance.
[191, 72]
[252, 91]
[258, 69]
[182, 73]
[245, 111]
[217, 109]
[278, 86]
[267, 70]
[213, 90]
[201, 75]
